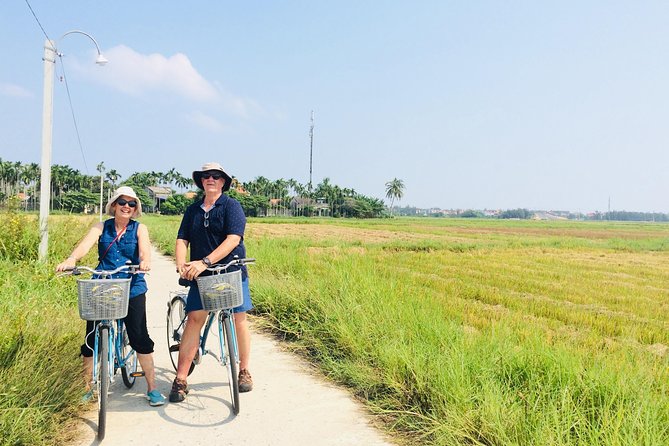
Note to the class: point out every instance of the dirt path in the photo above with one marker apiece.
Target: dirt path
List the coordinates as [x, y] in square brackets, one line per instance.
[289, 405]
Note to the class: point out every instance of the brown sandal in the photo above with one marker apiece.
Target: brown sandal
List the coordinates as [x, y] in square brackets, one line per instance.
[179, 390]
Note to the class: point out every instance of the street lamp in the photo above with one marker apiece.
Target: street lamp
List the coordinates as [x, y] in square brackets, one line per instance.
[50, 53]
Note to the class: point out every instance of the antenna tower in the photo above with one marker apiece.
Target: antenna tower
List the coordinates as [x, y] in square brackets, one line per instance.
[311, 148]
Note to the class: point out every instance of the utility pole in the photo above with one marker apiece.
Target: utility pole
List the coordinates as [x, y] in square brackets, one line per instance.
[311, 148]
[608, 213]
[50, 53]
[101, 169]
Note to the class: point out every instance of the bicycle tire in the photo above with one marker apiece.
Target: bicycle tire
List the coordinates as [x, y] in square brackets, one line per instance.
[103, 381]
[130, 365]
[176, 321]
[232, 359]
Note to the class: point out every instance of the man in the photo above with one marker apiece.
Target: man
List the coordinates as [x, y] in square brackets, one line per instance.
[214, 229]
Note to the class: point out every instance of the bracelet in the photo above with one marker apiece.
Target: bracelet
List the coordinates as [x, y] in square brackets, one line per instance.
[73, 258]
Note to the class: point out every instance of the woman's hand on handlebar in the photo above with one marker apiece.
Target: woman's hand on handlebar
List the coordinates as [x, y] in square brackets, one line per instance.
[66, 264]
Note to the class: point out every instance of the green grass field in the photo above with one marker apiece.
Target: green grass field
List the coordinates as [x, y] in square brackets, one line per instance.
[40, 334]
[452, 331]
[478, 331]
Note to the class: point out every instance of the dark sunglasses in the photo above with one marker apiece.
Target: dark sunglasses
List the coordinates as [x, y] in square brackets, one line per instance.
[123, 202]
[206, 219]
[216, 176]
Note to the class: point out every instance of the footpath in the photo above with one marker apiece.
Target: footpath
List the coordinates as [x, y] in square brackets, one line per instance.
[289, 405]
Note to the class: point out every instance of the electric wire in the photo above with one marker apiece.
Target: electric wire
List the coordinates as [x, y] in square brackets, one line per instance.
[74, 119]
[67, 87]
[37, 20]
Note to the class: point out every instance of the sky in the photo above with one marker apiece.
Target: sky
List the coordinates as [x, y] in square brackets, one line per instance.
[472, 104]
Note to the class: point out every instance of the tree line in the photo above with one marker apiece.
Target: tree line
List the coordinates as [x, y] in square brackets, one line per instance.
[73, 191]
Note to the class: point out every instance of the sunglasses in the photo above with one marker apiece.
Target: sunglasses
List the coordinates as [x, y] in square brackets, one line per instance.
[123, 202]
[216, 176]
[206, 219]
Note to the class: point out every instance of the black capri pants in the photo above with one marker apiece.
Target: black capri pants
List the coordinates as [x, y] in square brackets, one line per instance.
[135, 323]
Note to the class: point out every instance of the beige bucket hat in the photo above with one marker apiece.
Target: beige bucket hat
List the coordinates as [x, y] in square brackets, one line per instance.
[197, 175]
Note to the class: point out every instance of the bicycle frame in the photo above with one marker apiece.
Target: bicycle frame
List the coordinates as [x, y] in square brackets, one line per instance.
[120, 360]
[227, 333]
[115, 357]
[211, 317]
[109, 330]
[96, 349]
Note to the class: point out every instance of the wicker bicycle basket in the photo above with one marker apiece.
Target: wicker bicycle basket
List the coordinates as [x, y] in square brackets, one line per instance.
[103, 298]
[220, 291]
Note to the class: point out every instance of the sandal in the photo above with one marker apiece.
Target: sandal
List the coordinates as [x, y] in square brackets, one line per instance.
[179, 390]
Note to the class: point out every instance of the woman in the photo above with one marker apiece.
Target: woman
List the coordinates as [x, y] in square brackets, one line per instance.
[213, 228]
[121, 239]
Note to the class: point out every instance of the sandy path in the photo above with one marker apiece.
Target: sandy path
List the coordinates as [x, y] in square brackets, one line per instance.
[289, 405]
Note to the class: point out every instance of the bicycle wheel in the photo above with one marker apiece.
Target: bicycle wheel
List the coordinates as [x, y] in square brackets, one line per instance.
[232, 358]
[103, 380]
[130, 364]
[176, 322]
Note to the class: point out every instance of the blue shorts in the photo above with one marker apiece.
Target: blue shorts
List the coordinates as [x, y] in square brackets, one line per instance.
[193, 301]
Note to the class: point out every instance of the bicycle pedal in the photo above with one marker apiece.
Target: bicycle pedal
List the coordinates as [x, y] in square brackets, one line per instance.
[174, 348]
[137, 374]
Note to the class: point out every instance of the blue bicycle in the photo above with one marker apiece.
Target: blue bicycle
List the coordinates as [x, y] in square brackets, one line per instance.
[104, 300]
[220, 293]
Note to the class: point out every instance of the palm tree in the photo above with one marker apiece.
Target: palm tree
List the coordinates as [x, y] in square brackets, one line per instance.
[394, 190]
[181, 181]
[32, 172]
[113, 176]
[171, 176]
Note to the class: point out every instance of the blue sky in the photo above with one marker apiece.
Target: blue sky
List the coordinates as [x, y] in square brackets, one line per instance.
[473, 104]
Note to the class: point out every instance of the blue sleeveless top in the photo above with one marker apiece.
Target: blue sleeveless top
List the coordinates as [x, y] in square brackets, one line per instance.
[124, 249]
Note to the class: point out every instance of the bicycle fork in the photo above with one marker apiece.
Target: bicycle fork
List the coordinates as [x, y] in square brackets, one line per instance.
[96, 351]
[227, 314]
[120, 359]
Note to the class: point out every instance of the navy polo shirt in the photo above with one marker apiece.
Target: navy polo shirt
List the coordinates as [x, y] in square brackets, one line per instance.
[225, 218]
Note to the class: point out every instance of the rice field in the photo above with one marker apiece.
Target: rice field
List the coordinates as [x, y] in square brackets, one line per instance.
[478, 331]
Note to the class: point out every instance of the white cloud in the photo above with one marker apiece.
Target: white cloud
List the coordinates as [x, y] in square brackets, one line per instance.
[135, 73]
[13, 90]
[205, 121]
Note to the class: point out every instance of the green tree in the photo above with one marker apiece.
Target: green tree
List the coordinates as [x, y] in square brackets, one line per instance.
[175, 204]
[470, 213]
[394, 190]
[113, 176]
[253, 205]
[76, 201]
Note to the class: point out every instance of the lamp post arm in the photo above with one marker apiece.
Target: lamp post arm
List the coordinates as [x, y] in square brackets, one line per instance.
[76, 31]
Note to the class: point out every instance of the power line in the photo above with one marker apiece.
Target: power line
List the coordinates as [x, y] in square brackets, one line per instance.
[36, 19]
[74, 119]
[67, 87]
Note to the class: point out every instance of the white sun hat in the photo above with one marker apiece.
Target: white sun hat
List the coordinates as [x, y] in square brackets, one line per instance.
[128, 192]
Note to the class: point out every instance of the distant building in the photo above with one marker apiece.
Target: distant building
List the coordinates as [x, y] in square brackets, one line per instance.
[158, 195]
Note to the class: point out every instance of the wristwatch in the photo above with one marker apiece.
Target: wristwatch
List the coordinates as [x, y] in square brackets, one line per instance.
[207, 262]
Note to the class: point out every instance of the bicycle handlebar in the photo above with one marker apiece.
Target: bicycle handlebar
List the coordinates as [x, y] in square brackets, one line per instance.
[77, 270]
[222, 267]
